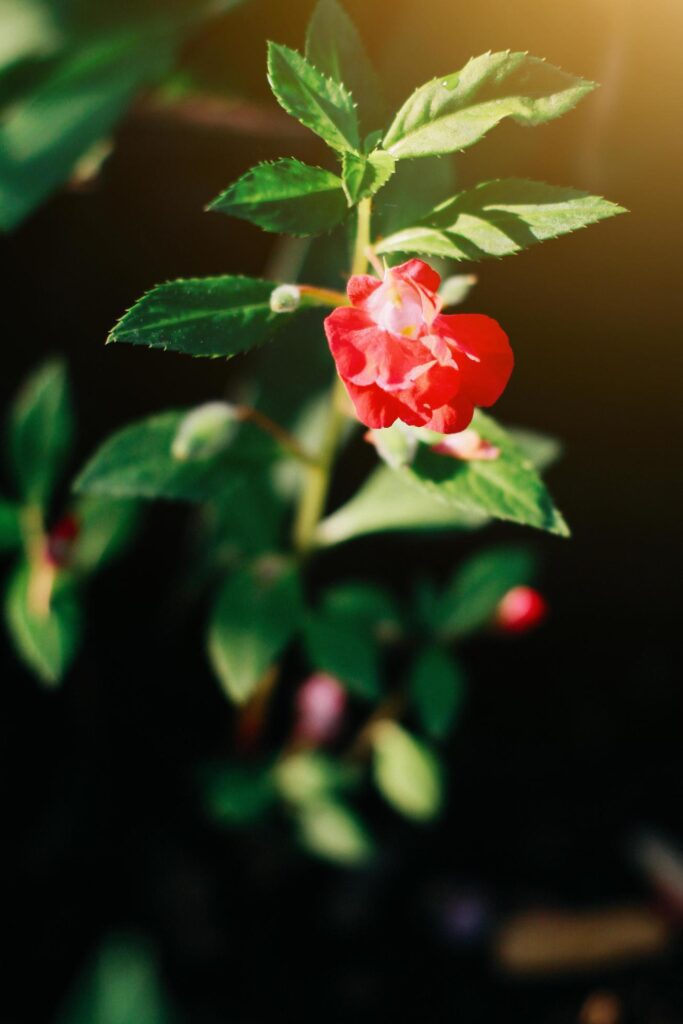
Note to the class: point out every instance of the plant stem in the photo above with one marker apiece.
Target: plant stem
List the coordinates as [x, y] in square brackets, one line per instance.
[283, 437]
[317, 485]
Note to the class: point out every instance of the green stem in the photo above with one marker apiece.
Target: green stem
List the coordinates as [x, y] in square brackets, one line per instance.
[317, 485]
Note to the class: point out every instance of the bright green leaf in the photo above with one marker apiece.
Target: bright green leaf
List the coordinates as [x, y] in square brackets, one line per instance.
[334, 832]
[406, 772]
[256, 614]
[205, 432]
[456, 288]
[499, 218]
[320, 103]
[29, 29]
[48, 642]
[454, 112]
[470, 600]
[366, 175]
[437, 688]
[309, 776]
[41, 428]
[286, 196]
[10, 525]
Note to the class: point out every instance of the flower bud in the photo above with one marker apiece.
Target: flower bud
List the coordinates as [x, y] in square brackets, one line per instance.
[60, 541]
[467, 445]
[521, 609]
[320, 706]
[286, 298]
[205, 431]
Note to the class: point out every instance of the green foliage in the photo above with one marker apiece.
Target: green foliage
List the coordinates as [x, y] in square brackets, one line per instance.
[106, 525]
[10, 525]
[310, 776]
[366, 604]
[343, 643]
[454, 112]
[406, 772]
[334, 46]
[471, 598]
[29, 30]
[45, 640]
[257, 612]
[366, 175]
[238, 795]
[210, 316]
[499, 218]
[40, 432]
[322, 104]
[437, 688]
[286, 196]
[333, 831]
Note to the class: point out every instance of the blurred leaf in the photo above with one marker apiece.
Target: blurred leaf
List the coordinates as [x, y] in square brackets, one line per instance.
[46, 643]
[238, 795]
[507, 487]
[364, 603]
[309, 776]
[10, 525]
[456, 288]
[334, 46]
[406, 772]
[366, 175]
[257, 612]
[77, 104]
[396, 445]
[286, 196]
[386, 503]
[471, 598]
[499, 218]
[250, 517]
[318, 102]
[437, 688]
[41, 429]
[106, 526]
[453, 112]
[28, 29]
[542, 449]
[121, 986]
[346, 647]
[137, 462]
[334, 832]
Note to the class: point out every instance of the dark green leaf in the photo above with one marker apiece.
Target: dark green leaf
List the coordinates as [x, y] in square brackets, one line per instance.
[413, 190]
[454, 112]
[258, 611]
[238, 795]
[406, 772]
[470, 600]
[346, 648]
[366, 605]
[106, 526]
[48, 642]
[320, 103]
[286, 196]
[10, 525]
[437, 688]
[499, 218]
[366, 175]
[41, 428]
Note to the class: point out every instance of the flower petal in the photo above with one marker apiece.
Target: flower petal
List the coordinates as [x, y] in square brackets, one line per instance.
[377, 409]
[360, 288]
[489, 360]
[419, 272]
[452, 418]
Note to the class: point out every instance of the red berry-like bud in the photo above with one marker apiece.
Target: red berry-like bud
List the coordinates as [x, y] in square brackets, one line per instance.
[60, 541]
[521, 609]
[320, 707]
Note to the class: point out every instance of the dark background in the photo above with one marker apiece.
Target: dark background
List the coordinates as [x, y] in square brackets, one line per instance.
[572, 737]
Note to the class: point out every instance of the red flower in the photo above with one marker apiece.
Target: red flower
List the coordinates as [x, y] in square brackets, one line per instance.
[521, 609]
[400, 358]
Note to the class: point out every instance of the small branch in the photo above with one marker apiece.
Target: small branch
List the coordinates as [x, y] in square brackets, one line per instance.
[283, 437]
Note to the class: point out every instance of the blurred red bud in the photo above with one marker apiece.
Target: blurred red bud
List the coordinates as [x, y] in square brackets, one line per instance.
[320, 707]
[60, 541]
[521, 609]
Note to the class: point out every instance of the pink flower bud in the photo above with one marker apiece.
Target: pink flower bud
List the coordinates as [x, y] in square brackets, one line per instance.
[60, 541]
[320, 706]
[521, 609]
[468, 445]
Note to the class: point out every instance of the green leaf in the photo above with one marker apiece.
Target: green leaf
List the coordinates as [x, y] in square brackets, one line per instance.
[46, 643]
[238, 795]
[499, 218]
[106, 526]
[10, 525]
[456, 288]
[257, 612]
[543, 449]
[346, 647]
[45, 133]
[334, 46]
[210, 316]
[41, 429]
[286, 196]
[332, 831]
[507, 487]
[366, 605]
[309, 776]
[388, 503]
[414, 189]
[454, 112]
[366, 175]
[29, 29]
[470, 600]
[437, 688]
[320, 103]
[137, 462]
[406, 772]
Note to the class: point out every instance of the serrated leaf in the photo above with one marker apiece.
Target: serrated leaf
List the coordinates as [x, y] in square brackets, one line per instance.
[137, 462]
[286, 196]
[346, 648]
[437, 688]
[41, 430]
[387, 503]
[335, 47]
[366, 175]
[77, 104]
[470, 600]
[332, 831]
[406, 772]
[47, 642]
[10, 525]
[507, 487]
[257, 612]
[499, 218]
[318, 102]
[454, 112]
[414, 189]
[210, 316]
